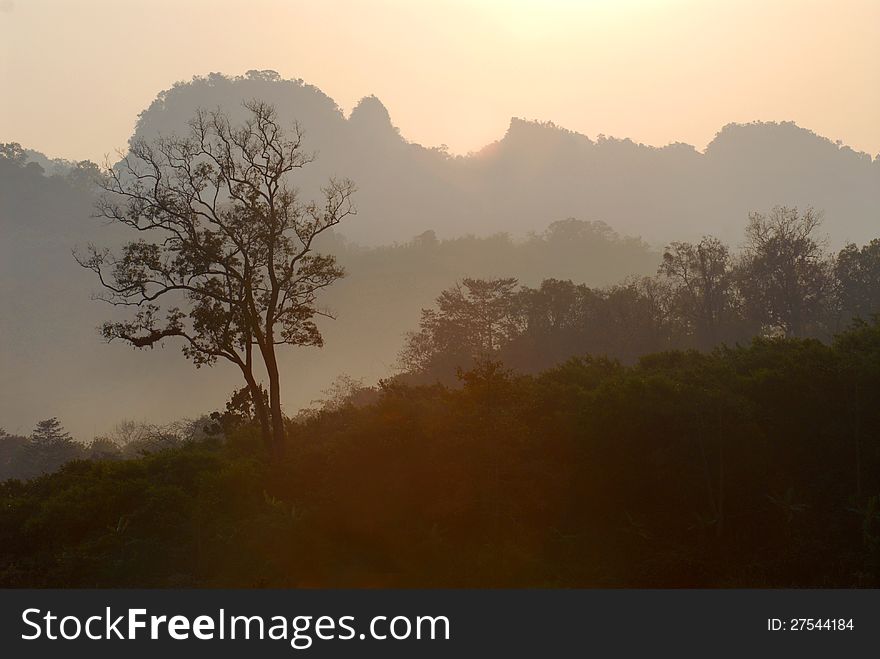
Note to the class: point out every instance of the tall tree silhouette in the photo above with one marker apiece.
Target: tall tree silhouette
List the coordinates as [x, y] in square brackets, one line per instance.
[857, 271]
[473, 320]
[701, 276]
[226, 261]
[785, 274]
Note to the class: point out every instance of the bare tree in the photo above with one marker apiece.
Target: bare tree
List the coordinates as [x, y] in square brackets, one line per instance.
[785, 275]
[226, 260]
[701, 278]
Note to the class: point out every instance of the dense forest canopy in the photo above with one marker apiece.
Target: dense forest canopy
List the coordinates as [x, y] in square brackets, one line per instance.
[754, 466]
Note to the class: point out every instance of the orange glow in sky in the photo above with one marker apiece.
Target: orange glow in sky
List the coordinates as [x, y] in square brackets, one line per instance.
[75, 74]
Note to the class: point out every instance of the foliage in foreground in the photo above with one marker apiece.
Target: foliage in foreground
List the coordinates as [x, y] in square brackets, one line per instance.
[755, 466]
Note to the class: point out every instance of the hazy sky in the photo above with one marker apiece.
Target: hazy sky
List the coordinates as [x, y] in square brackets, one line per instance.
[75, 73]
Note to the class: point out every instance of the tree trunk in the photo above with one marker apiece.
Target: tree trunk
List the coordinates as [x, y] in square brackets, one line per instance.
[857, 428]
[277, 417]
[719, 528]
[260, 406]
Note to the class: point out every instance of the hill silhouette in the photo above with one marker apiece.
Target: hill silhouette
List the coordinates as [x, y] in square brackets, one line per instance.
[539, 172]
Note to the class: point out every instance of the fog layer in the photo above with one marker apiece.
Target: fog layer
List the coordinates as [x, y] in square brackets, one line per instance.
[418, 203]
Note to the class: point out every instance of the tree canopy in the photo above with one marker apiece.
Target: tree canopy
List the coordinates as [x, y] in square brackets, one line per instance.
[227, 260]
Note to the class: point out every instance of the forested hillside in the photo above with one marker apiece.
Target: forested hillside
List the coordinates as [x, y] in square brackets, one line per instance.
[754, 466]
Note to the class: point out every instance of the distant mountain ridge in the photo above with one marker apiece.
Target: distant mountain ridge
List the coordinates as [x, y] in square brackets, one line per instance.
[538, 172]
[534, 176]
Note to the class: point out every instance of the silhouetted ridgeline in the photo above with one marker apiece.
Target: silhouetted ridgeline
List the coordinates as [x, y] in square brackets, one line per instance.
[753, 466]
[538, 172]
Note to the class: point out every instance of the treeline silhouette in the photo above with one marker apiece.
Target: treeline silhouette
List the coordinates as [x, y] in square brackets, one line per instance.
[747, 466]
[49, 446]
[784, 282]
